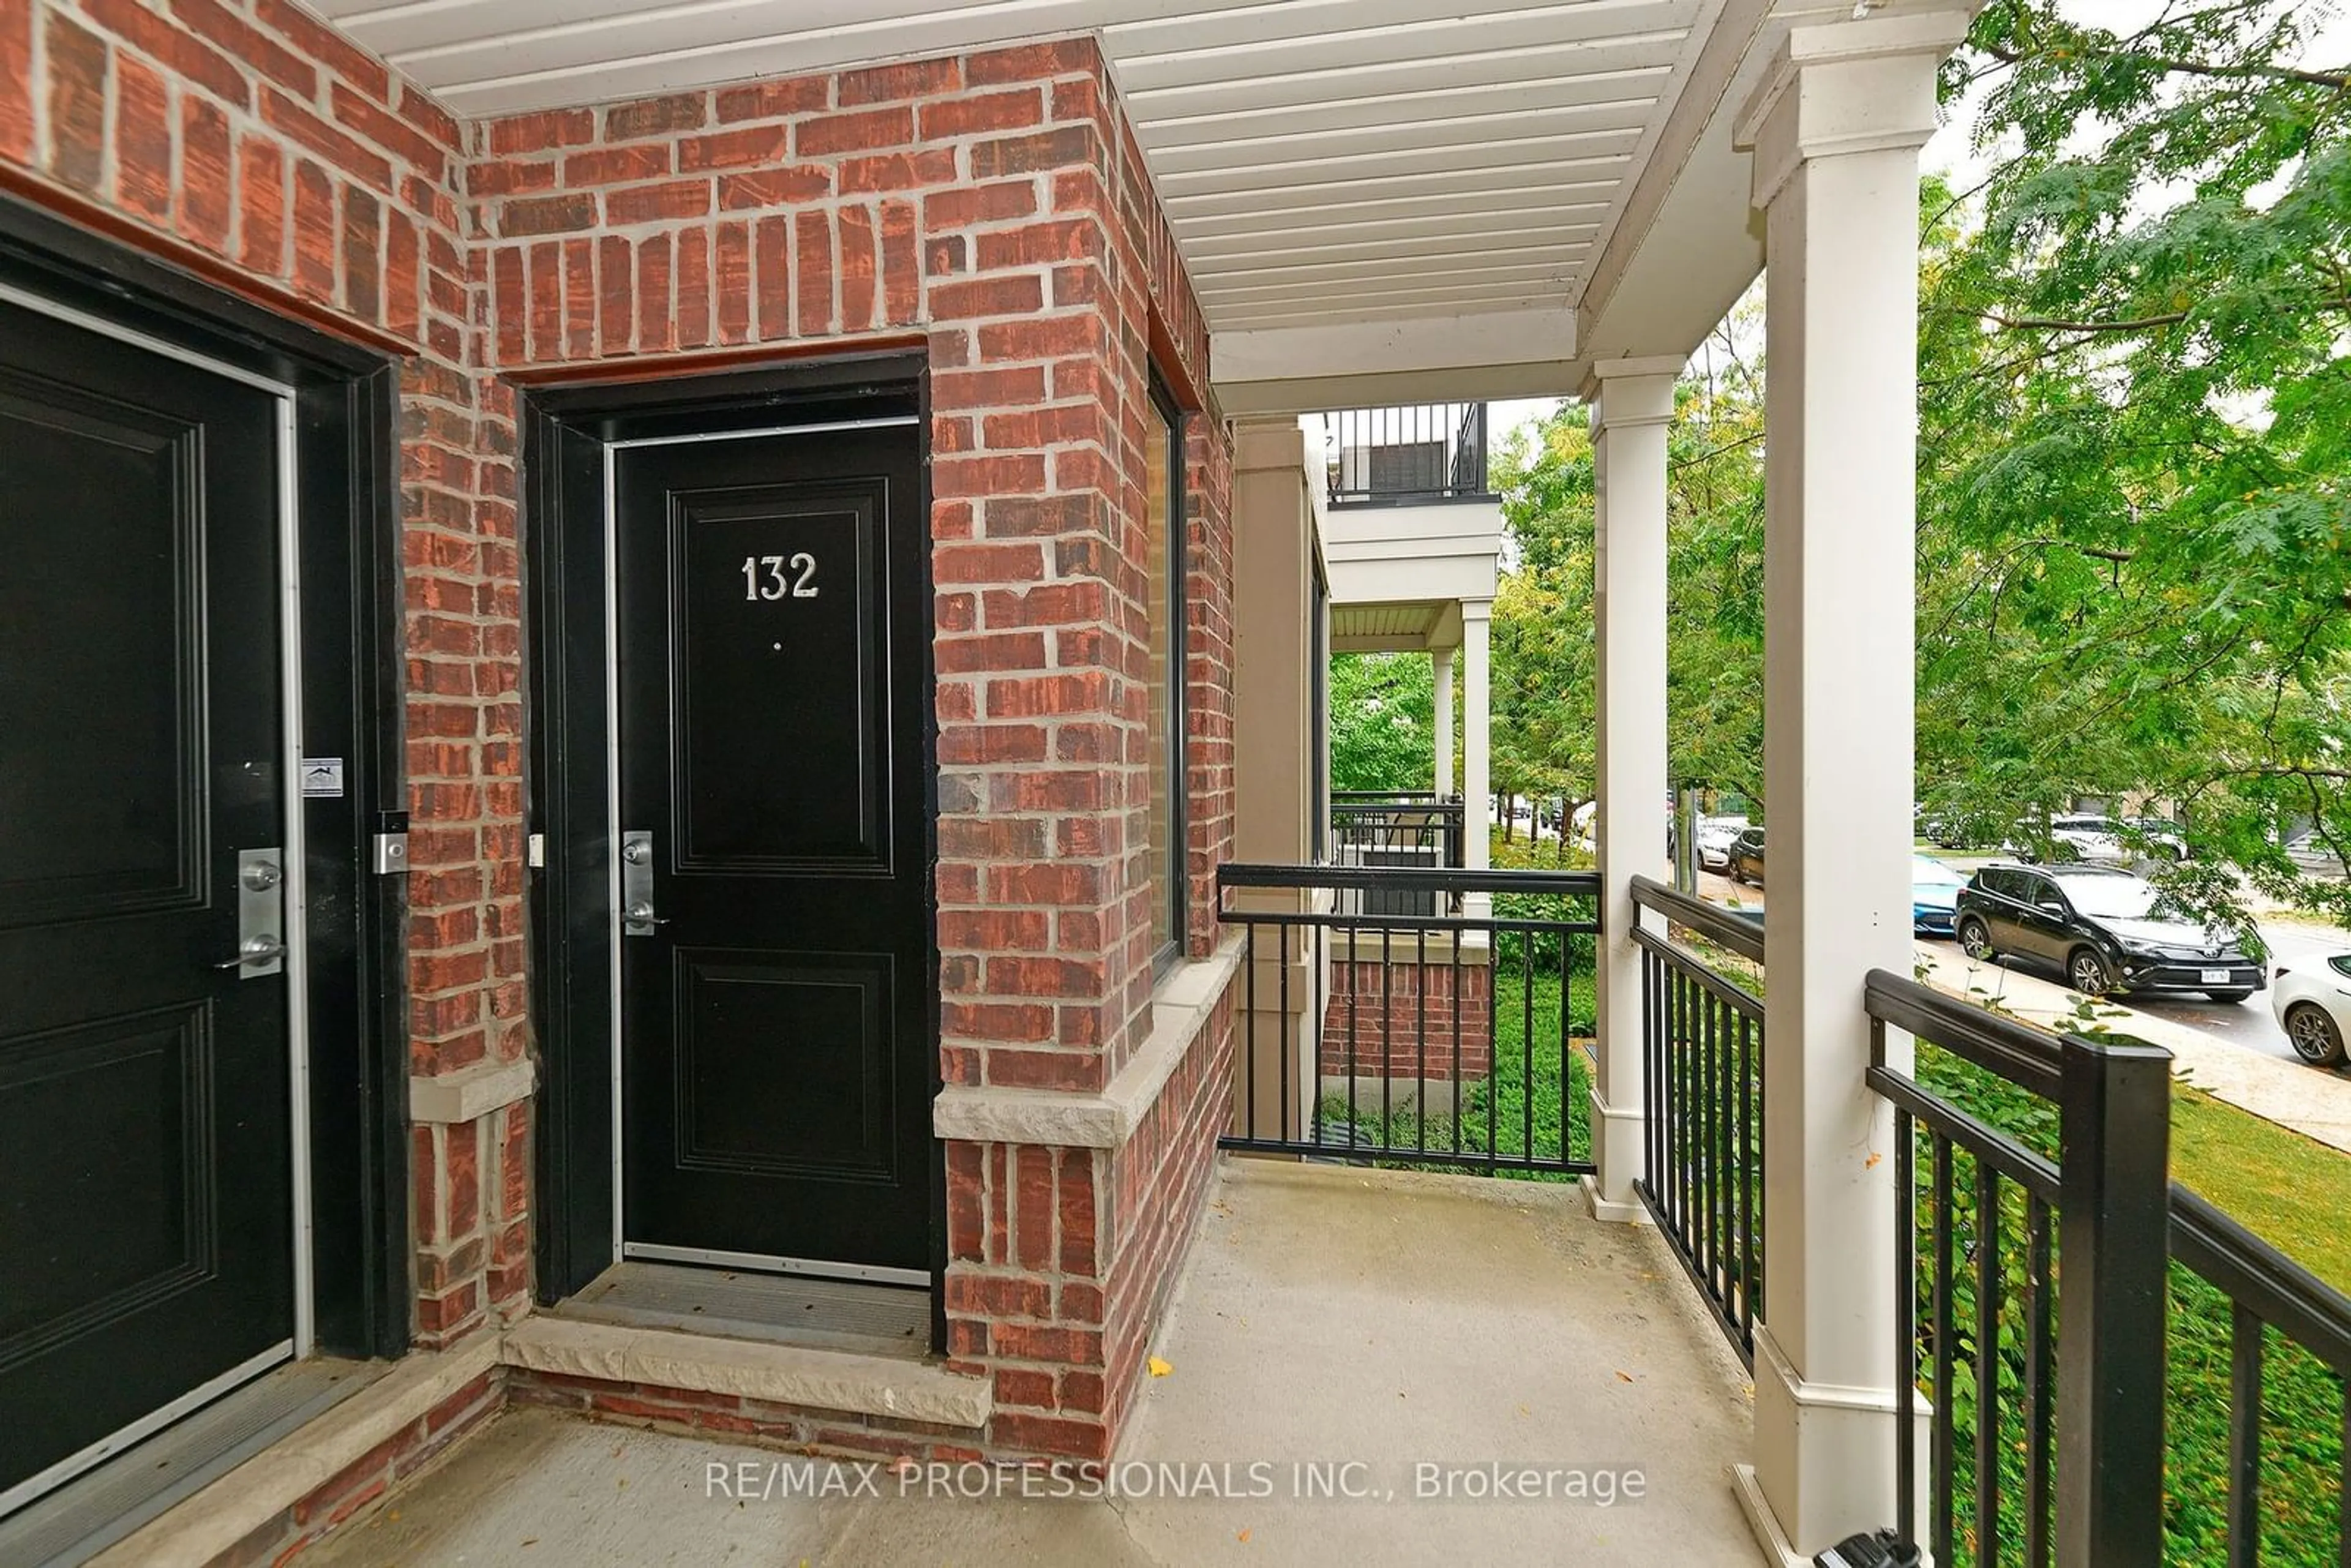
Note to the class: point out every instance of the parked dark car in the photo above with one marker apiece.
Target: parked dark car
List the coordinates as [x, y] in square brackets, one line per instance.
[2105, 930]
[1746, 857]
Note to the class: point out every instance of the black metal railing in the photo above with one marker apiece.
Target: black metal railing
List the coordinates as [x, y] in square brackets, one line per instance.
[2269, 1294]
[1444, 1041]
[1406, 830]
[2076, 1339]
[1703, 1092]
[2046, 1428]
[1407, 457]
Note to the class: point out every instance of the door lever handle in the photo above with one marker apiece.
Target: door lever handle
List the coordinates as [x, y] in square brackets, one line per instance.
[255, 950]
[637, 916]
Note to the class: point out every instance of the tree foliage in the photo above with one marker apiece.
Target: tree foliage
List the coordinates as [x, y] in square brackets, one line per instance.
[1382, 721]
[2136, 429]
[2135, 435]
[1542, 692]
[1544, 664]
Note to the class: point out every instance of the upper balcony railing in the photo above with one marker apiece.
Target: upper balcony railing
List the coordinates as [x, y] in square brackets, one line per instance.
[1418, 455]
[1406, 828]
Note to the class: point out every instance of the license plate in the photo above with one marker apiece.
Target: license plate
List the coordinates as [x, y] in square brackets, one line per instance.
[2215, 976]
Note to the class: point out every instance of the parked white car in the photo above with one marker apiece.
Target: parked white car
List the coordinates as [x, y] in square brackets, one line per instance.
[1714, 839]
[2099, 841]
[2313, 1001]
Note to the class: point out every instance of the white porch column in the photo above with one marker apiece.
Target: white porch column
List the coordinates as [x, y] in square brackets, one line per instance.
[1442, 659]
[1631, 402]
[1477, 815]
[1835, 127]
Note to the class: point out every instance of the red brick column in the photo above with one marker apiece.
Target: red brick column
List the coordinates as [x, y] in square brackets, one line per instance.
[1396, 1021]
[991, 205]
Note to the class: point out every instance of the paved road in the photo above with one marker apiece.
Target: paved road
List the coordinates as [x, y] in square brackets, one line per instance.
[2232, 1050]
[2249, 1025]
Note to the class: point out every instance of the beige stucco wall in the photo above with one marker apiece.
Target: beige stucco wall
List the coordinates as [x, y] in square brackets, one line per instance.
[1277, 775]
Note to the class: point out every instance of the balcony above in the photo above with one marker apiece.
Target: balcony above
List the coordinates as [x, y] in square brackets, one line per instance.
[1411, 528]
[1423, 454]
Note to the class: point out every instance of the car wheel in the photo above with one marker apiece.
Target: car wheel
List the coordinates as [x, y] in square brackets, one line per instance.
[1975, 940]
[2089, 973]
[2237, 996]
[2314, 1035]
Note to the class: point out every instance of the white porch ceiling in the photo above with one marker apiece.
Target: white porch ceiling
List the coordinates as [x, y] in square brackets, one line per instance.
[1379, 200]
[1321, 159]
[1394, 628]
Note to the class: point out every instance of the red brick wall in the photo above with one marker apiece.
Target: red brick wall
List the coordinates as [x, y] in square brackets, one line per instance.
[993, 206]
[984, 202]
[1396, 1021]
[365, 1481]
[1159, 1182]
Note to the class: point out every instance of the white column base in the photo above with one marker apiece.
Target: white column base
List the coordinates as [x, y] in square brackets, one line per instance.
[1619, 1142]
[1633, 1213]
[1826, 1469]
[1768, 1533]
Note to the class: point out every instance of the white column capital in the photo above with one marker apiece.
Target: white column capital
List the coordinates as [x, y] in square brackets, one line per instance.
[1622, 392]
[1476, 610]
[1838, 88]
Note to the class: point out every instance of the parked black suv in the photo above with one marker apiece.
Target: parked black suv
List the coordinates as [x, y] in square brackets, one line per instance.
[2106, 929]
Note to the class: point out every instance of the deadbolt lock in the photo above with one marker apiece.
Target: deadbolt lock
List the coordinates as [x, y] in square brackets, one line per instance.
[638, 915]
[260, 915]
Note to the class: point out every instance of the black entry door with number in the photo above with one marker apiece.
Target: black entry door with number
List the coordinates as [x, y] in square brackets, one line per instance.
[776, 877]
[146, 1227]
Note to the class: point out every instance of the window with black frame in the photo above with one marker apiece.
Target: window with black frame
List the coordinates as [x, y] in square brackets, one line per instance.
[1165, 588]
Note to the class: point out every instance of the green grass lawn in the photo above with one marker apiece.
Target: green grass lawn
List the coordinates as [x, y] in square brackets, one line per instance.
[2291, 1191]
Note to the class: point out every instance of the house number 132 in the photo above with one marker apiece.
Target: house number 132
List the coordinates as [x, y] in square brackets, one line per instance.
[763, 576]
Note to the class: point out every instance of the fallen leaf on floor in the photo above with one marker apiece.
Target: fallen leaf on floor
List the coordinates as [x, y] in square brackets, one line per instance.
[1242, 1538]
[1870, 1164]
[1158, 1367]
[531, 1540]
[1624, 1378]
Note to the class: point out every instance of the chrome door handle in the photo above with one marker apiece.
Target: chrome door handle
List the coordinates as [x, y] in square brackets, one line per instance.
[256, 950]
[261, 914]
[637, 916]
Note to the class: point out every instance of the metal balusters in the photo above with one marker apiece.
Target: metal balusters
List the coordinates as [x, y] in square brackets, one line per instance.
[1413, 455]
[1702, 1039]
[1386, 1065]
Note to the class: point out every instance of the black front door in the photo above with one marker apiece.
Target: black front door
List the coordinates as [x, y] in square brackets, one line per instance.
[146, 1225]
[775, 877]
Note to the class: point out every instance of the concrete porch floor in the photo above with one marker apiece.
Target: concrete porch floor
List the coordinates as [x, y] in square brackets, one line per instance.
[1385, 1320]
